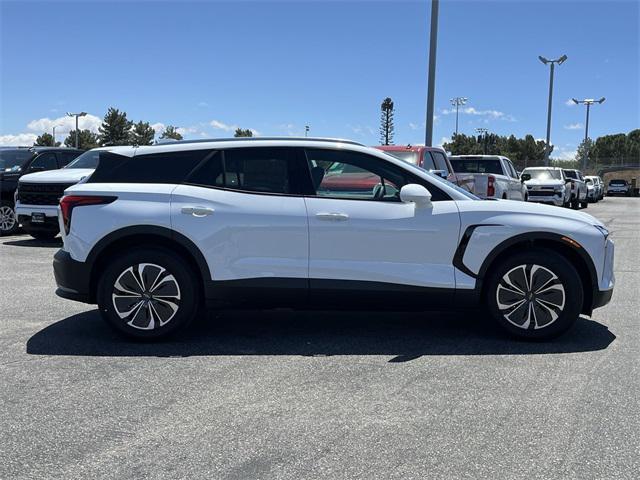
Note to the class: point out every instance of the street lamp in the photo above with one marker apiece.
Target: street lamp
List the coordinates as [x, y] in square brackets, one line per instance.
[431, 79]
[81, 114]
[457, 102]
[588, 102]
[546, 61]
[306, 130]
[54, 134]
[483, 131]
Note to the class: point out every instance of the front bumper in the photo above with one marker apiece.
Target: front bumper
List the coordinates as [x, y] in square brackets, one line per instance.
[72, 277]
[556, 200]
[50, 212]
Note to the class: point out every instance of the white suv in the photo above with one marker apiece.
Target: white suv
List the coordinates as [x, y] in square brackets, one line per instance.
[158, 231]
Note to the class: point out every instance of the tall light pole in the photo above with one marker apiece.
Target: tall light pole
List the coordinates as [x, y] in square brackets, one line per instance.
[306, 130]
[457, 102]
[81, 114]
[546, 61]
[54, 134]
[588, 102]
[431, 85]
[483, 131]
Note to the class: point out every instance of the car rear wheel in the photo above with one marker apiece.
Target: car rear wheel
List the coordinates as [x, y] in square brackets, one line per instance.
[8, 219]
[535, 295]
[148, 293]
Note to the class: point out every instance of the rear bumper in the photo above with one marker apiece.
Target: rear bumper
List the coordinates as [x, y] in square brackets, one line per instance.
[72, 278]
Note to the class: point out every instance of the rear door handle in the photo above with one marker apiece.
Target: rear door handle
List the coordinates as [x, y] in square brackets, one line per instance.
[332, 216]
[197, 211]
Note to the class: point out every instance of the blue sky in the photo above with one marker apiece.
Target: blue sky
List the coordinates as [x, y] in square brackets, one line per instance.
[208, 66]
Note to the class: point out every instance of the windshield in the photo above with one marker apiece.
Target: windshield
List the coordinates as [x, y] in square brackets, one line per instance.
[476, 165]
[406, 155]
[543, 174]
[13, 160]
[571, 174]
[618, 182]
[88, 159]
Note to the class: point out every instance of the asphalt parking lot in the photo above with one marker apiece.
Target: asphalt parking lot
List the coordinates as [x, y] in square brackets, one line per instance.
[298, 395]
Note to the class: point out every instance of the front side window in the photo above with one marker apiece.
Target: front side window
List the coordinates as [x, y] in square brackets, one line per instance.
[46, 161]
[571, 174]
[14, 159]
[428, 163]
[440, 161]
[357, 176]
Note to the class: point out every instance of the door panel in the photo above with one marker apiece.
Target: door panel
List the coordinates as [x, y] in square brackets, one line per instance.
[244, 235]
[377, 241]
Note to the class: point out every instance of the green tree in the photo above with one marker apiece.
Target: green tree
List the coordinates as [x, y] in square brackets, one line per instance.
[243, 132]
[45, 140]
[582, 154]
[171, 132]
[86, 139]
[142, 133]
[115, 128]
[386, 122]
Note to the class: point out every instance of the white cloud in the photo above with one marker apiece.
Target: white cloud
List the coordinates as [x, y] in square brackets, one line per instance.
[158, 127]
[444, 140]
[65, 123]
[561, 153]
[493, 114]
[21, 139]
[217, 124]
[574, 126]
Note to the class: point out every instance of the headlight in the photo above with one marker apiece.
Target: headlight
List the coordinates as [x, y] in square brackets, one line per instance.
[559, 189]
[603, 231]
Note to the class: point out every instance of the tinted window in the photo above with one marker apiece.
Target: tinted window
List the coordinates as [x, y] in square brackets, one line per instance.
[428, 163]
[441, 161]
[474, 165]
[266, 170]
[12, 159]
[356, 176]
[167, 167]
[65, 157]
[571, 174]
[46, 161]
[88, 159]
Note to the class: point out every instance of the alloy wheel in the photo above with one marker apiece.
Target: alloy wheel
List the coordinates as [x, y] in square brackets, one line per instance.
[530, 296]
[146, 296]
[7, 218]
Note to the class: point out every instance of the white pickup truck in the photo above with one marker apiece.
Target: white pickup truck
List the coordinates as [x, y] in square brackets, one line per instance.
[490, 176]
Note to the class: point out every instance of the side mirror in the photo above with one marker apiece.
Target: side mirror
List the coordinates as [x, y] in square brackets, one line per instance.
[414, 193]
[440, 173]
[525, 177]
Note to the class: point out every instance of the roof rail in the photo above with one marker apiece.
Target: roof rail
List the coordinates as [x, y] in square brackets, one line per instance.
[243, 139]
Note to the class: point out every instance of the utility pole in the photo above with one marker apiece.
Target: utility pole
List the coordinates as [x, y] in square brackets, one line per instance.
[54, 134]
[433, 43]
[588, 102]
[81, 114]
[456, 102]
[546, 61]
[306, 130]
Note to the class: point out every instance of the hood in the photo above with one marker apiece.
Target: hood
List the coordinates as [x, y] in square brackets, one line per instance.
[64, 175]
[544, 183]
[491, 210]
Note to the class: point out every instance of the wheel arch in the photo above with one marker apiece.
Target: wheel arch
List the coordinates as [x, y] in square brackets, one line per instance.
[561, 244]
[130, 237]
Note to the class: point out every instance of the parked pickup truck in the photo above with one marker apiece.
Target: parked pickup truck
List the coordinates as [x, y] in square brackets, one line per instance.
[547, 185]
[489, 176]
[432, 159]
[39, 193]
[579, 189]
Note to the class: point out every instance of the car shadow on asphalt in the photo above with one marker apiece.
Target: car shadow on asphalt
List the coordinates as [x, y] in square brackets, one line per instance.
[405, 336]
[32, 242]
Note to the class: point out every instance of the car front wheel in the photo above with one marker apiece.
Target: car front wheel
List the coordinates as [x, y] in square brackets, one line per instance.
[535, 295]
[148, 293]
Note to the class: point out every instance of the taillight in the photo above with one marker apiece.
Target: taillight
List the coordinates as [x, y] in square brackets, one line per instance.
[69, 202]
[491, 186]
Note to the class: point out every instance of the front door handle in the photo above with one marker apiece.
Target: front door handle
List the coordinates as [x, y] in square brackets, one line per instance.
[332, 216]
[197, 211]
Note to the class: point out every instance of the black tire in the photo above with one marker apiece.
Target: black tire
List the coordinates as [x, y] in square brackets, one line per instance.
[45, 236]
[8, 219]
[556, 272]
[584, 204]
[156, 316]
[575, 204]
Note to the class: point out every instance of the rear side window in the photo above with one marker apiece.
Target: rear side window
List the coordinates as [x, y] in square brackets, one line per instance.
[441, 161]
[265, 170]
[166, 167]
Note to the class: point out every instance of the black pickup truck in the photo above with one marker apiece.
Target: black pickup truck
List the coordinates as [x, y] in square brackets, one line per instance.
[18, 161]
